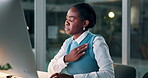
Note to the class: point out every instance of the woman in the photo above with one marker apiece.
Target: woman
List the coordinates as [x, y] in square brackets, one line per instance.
[84, 55]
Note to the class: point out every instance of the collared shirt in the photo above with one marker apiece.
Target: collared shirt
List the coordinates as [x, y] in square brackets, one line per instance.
[102, 57]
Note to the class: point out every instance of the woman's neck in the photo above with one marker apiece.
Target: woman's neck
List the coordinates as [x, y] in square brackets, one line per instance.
[75, 36]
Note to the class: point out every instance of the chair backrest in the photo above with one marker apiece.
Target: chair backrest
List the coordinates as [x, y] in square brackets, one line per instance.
[124, 71]
[145, 75]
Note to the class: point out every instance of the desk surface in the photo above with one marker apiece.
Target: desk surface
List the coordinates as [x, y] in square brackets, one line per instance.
[42, 74]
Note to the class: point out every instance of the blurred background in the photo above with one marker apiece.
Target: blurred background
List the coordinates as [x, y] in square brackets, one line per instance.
[109, 25]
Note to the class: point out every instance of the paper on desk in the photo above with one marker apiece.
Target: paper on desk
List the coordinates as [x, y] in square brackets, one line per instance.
[42, 74]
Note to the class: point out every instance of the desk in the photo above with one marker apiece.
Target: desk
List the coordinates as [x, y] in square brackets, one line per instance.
[41, 74]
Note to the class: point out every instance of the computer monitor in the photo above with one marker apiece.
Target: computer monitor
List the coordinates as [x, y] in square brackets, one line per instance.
[15, 47]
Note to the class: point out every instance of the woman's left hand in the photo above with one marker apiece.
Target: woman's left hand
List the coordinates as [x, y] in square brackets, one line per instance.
[61, 75]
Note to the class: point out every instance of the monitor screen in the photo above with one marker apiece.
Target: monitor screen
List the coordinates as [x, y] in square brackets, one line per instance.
[15, 46]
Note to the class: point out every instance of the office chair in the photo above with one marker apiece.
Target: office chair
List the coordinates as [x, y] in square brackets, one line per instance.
[145, 75]
[124, 71]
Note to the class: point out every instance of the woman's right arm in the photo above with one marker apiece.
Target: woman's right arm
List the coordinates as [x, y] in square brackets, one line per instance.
[57, 63]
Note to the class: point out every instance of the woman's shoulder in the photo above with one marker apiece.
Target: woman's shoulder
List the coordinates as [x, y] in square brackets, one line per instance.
[67, 40]
[98, 37]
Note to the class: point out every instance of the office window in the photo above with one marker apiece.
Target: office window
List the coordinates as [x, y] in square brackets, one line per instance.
[109, 25]
[139, 36]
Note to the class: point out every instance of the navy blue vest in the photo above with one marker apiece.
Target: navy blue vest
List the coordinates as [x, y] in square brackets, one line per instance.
[87, 62]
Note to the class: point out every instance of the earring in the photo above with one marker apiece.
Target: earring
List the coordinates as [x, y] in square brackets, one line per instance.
[84, 28]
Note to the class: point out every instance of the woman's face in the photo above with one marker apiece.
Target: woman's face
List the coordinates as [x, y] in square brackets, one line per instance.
[73, 23]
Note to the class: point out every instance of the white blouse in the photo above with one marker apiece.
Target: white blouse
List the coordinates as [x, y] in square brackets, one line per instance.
[102, 56]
